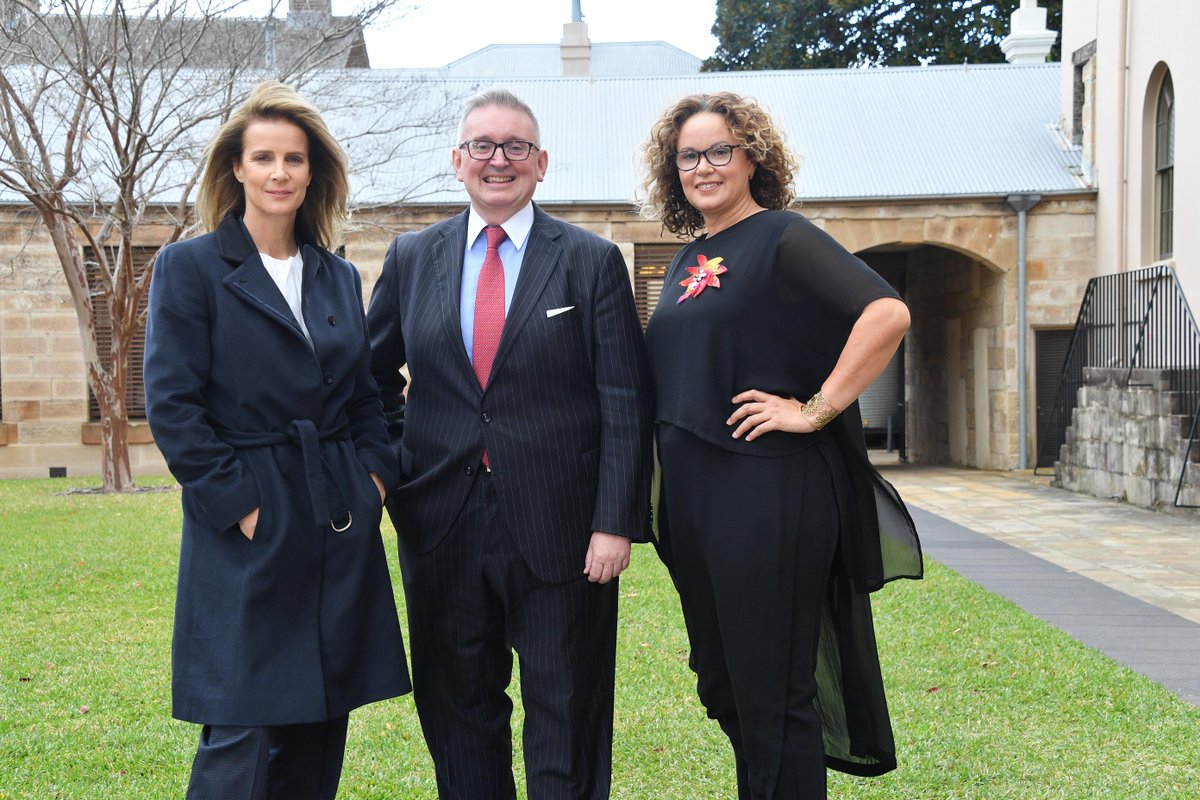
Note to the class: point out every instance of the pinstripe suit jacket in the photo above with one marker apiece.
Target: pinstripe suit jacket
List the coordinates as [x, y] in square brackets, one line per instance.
[567, 414]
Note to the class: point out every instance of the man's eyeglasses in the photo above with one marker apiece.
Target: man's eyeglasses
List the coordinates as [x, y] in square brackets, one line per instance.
[483, 150]
[718, 155]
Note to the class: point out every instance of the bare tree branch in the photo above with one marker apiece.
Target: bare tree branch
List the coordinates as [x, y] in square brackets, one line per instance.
[105, 110]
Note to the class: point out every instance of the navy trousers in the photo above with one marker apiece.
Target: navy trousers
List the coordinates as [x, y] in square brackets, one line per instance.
[283, 762]
[471, 602]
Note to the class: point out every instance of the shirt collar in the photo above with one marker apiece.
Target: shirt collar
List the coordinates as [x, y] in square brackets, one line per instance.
[516, 227]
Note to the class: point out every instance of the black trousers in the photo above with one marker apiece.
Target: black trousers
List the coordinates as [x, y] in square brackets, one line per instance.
[282, 762]
[750, 543]
[471, 602]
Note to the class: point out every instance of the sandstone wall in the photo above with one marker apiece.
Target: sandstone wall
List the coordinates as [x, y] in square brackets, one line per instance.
[1127, 440]
[960, 273]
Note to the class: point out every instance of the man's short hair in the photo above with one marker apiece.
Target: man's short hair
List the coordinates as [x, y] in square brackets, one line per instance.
[498, 96]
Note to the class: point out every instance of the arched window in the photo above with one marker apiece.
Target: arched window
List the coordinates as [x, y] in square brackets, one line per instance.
[1164, 167]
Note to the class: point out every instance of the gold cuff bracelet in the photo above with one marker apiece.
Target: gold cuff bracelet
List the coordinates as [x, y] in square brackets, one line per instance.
[818, 411]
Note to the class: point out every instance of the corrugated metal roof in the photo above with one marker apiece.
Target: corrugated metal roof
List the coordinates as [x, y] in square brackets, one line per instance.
[608, 59]
[863, 133]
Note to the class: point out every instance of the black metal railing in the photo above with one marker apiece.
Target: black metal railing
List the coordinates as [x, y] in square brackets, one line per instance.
[1131, 320]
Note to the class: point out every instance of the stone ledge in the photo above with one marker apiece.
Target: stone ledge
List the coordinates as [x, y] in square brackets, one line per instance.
[8, 433]
[139, 433]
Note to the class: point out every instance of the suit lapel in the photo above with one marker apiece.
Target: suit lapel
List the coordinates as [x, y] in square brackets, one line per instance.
[542, 254]
[447, 264]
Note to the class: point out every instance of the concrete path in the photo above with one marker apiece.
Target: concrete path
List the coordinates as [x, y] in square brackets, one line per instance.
[1121, 579]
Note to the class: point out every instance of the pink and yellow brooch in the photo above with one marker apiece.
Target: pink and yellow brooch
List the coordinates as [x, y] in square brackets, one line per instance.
[703, 275]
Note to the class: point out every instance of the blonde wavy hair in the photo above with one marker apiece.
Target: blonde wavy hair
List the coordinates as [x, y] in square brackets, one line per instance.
[322, 215]
[771, 185]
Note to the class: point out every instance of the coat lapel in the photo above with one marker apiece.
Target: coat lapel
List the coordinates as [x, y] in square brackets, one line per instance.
[250, 279]
[542, 254]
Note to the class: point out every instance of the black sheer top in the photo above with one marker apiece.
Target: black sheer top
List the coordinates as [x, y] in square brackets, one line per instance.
[777, 322]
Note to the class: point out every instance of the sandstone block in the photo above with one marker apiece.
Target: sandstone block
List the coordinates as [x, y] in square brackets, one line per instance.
[1169, 403]
[1114, 456]
[59, 367]
[1138, 491]
[56, 323]
[67, 345]
[12, 325]
[1134, 432]
[71, 390]
[16, 461]
[63, 410]
[50, 433]
[26, 389]
[16, 368]
[22, 410]
[33, 344]
[1152, 378]
[1189, 497]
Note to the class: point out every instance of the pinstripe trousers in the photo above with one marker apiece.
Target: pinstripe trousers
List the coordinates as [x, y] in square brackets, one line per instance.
[471, 602]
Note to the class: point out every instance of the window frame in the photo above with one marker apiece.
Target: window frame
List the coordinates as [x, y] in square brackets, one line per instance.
[1164, 170]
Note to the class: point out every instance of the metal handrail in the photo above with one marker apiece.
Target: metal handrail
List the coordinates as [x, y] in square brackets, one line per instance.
[1130, 320]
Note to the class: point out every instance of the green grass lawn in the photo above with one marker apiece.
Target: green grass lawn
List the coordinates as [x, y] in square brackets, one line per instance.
[987, 702]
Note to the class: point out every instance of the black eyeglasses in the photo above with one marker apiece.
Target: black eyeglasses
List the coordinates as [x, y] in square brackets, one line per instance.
[718, 155]
[483, 150]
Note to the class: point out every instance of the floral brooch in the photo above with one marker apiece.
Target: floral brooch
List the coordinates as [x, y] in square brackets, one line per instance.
[703, 275]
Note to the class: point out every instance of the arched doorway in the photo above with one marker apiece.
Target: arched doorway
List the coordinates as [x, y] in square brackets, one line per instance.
[952, 376]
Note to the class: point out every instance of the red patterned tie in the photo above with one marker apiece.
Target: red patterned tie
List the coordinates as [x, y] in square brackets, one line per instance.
[489, 311]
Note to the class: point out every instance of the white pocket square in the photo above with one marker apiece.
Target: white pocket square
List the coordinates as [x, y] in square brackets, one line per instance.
[554, 312]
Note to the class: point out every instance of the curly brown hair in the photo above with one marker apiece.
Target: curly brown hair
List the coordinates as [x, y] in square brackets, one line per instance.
[771, 186]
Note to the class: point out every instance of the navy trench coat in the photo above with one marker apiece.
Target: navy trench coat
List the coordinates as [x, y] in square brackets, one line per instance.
[298, 625]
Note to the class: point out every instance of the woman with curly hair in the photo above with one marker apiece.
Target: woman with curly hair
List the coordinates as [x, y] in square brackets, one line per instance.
[772, 521]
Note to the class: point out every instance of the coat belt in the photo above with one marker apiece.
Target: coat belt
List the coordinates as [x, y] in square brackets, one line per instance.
[305, 433]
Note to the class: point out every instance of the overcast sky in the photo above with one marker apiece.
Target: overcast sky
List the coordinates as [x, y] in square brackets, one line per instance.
[441, 31]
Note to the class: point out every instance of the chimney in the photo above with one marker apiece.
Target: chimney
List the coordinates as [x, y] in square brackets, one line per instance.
[1030, 40]
[576, 47]
[309, 13]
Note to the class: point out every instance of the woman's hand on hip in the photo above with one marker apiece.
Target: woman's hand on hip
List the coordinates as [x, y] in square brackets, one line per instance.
[761, 412]
[248, 523]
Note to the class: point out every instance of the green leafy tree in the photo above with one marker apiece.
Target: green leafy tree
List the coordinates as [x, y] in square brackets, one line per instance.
[765, 34]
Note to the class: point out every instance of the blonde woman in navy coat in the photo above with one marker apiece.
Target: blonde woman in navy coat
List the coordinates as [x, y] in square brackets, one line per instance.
[260, 396]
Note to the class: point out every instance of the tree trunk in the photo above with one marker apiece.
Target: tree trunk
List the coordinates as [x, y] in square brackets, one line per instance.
[109, 389]
[108, 386]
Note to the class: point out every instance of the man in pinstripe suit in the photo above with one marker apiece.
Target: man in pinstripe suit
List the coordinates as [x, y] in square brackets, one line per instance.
[523, 484]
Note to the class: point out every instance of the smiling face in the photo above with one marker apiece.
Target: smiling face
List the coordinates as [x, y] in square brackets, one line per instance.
[720, 194]
[274, 171]
[498, 187]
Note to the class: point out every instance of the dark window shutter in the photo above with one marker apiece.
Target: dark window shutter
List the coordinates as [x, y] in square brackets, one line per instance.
[650, 262]
[135, 389]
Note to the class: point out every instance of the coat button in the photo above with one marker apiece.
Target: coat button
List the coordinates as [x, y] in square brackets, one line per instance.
[332, 319]
[470, 470]
[328, 379]
[486, 417]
